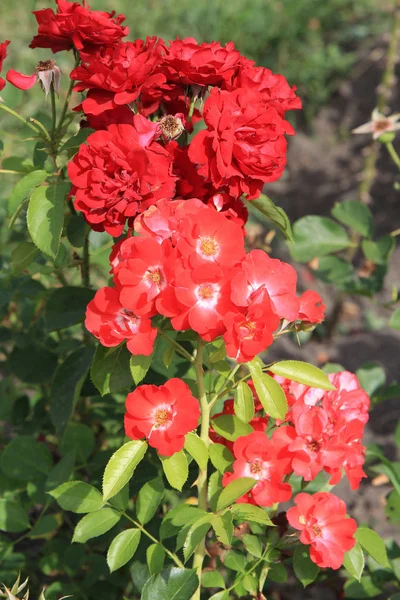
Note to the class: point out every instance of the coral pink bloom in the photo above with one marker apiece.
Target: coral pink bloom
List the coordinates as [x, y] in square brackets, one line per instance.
[76, 26]
[349, 438]
[312, 309]
[163, 415]
[209, 237]
[251, 331]
[322, 520]
[3, 56]
[256, 457]
[260, 276]
[111, 323]
[349, 400]
[142, 277]
[202, 299]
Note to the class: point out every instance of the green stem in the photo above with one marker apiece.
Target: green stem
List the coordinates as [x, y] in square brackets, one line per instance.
[253, 568]
[394, 156]
[222, 392]
[42, 128]
[191, 109]
[19, 117]
[11, 172]
[53, 110]
[177, 346]
[172, 556]
[67, 99]
[202, 488]
[86, 262]
[27, 533]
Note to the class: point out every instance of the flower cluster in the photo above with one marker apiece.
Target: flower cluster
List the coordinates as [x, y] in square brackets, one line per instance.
[188, 263]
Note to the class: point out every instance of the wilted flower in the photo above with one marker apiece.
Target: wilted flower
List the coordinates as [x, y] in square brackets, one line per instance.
[46, 73]
[379, 124]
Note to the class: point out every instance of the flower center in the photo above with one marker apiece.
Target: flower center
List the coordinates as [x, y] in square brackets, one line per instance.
[313, 446]
[382, 125]
[302, 520]
[247, 329]
[209, 246]
[206, 292]
[317, 531]
[255, 468]
[162, 417]
[155, 276]
[46, 65]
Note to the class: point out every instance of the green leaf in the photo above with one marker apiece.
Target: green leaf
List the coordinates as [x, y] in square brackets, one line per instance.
[66, 306]
[45, 216]
[110, 371]
[224, 595]
[354, 562]
[139, 365]
[252, 545]
[373, 544]
[95, 524]
[212, 579]
[302, 372]
[22, 256]
[195, 535]
[32, 363]
[371, 377]
[274, 213]
[149, 500]
[269, 392]
[234, 490]
[392, 508]
[78, 438]
[45, 527]
[180, 516]
[24, 188]
[66, 386]
[277, 572]
[121, 466]
[248, 512]
[78, 497]
[214, 489]
[394, 321]
[76, 231]
[230, 427]
[77, 140]
[61, 472]
[122, 548]
[171, 584]
[244, 402]
[25, 459]
[355, 215]
[13, 518]
[316, 236]
[223, 527]
[176, 469]
[379, 251]
[305, 569]
[155, 556]
[235, 561]
[220, 457]
[197, 449]
[121, 500]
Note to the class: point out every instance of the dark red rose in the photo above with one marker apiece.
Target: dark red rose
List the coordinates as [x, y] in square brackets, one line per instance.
[3, 55]
[119, 173]
[243, 146]
[76, 26]
[189, 62]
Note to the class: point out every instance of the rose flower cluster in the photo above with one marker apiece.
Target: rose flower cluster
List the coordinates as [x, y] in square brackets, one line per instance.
[185, 135]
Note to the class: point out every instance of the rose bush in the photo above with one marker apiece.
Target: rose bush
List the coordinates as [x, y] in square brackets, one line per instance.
[175, 143]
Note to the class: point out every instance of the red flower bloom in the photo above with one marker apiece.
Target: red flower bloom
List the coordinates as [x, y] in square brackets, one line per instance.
[208, 237]
[142, 275]
[3, 55]
[111, 323]
[202, 298]
[163, 415]
[75, 25]
[256, 457]
[188, 62]
[273, 88]
[243, 146]
[119, 173]
[250, 332]
[349, 400]
[322, 520]
[261, 276]
[312, 309]
[117, 75]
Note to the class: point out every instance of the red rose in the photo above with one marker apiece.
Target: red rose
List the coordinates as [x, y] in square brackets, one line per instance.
[112, 324]
[273, 88]
[163, 415]
[188, 62]
[322, 521]
[256, 457]
[76, 26]
[119, 173]
[243, 146]
[3, 55]
[116, 76]
[312, 309]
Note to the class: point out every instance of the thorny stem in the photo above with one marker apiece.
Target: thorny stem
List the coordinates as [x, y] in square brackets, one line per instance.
[172, 556]
[202, 478]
